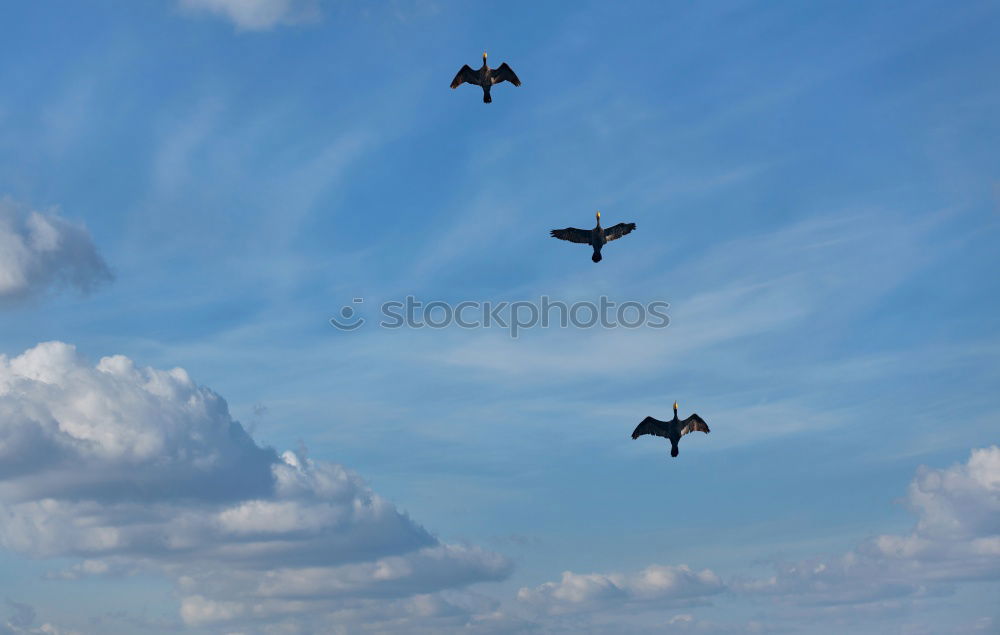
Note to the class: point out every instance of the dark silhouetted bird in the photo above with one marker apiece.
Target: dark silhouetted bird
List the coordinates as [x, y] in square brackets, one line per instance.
[596, 237]
[485, 77]
[673, 429]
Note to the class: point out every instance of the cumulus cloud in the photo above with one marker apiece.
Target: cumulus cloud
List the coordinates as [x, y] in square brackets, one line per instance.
[663, 585]
[956, 538]
[257, 15]
[41, 252]
[129, 468]
[123, 469]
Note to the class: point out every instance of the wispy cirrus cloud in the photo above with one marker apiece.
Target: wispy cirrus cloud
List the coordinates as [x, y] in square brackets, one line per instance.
[257, 15]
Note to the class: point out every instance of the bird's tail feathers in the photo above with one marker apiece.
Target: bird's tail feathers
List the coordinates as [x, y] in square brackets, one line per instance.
[673, 450]
[486, 97]
[596, 257]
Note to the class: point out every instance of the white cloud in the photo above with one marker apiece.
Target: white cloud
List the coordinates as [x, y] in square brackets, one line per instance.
[125, 469]
[448, 611]
[130, 468]
[42, 251]
[663, 585]
[956, 538]
[257, 15]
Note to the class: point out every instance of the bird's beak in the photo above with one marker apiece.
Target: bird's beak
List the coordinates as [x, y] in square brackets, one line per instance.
[598, 216]
[484, 54]
[675, 405]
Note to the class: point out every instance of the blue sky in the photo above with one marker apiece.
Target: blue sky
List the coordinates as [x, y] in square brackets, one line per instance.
[816, 189]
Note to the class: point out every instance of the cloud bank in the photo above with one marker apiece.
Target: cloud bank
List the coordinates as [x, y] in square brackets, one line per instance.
[40, 252]
[128, 468]
[956, 539]
[257, 15]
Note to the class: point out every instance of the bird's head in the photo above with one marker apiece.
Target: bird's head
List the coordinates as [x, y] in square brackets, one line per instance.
[598, 216]
[484, 56]
[675, 407]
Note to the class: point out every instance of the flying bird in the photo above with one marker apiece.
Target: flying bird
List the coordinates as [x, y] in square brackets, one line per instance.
[596, 237]
[673, 429]
[485, 77]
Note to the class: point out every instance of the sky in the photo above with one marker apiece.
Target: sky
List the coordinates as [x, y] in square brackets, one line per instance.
[191, 189]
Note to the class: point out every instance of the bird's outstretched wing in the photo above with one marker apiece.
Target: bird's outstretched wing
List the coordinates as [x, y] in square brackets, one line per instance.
[572, 234]
[694, 423]
[617, 231]
[465, 74]
[505, 74]
[650, 425]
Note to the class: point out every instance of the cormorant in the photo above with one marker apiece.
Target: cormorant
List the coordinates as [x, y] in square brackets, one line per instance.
[673, 429]
[596, 237]
[485, 77]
